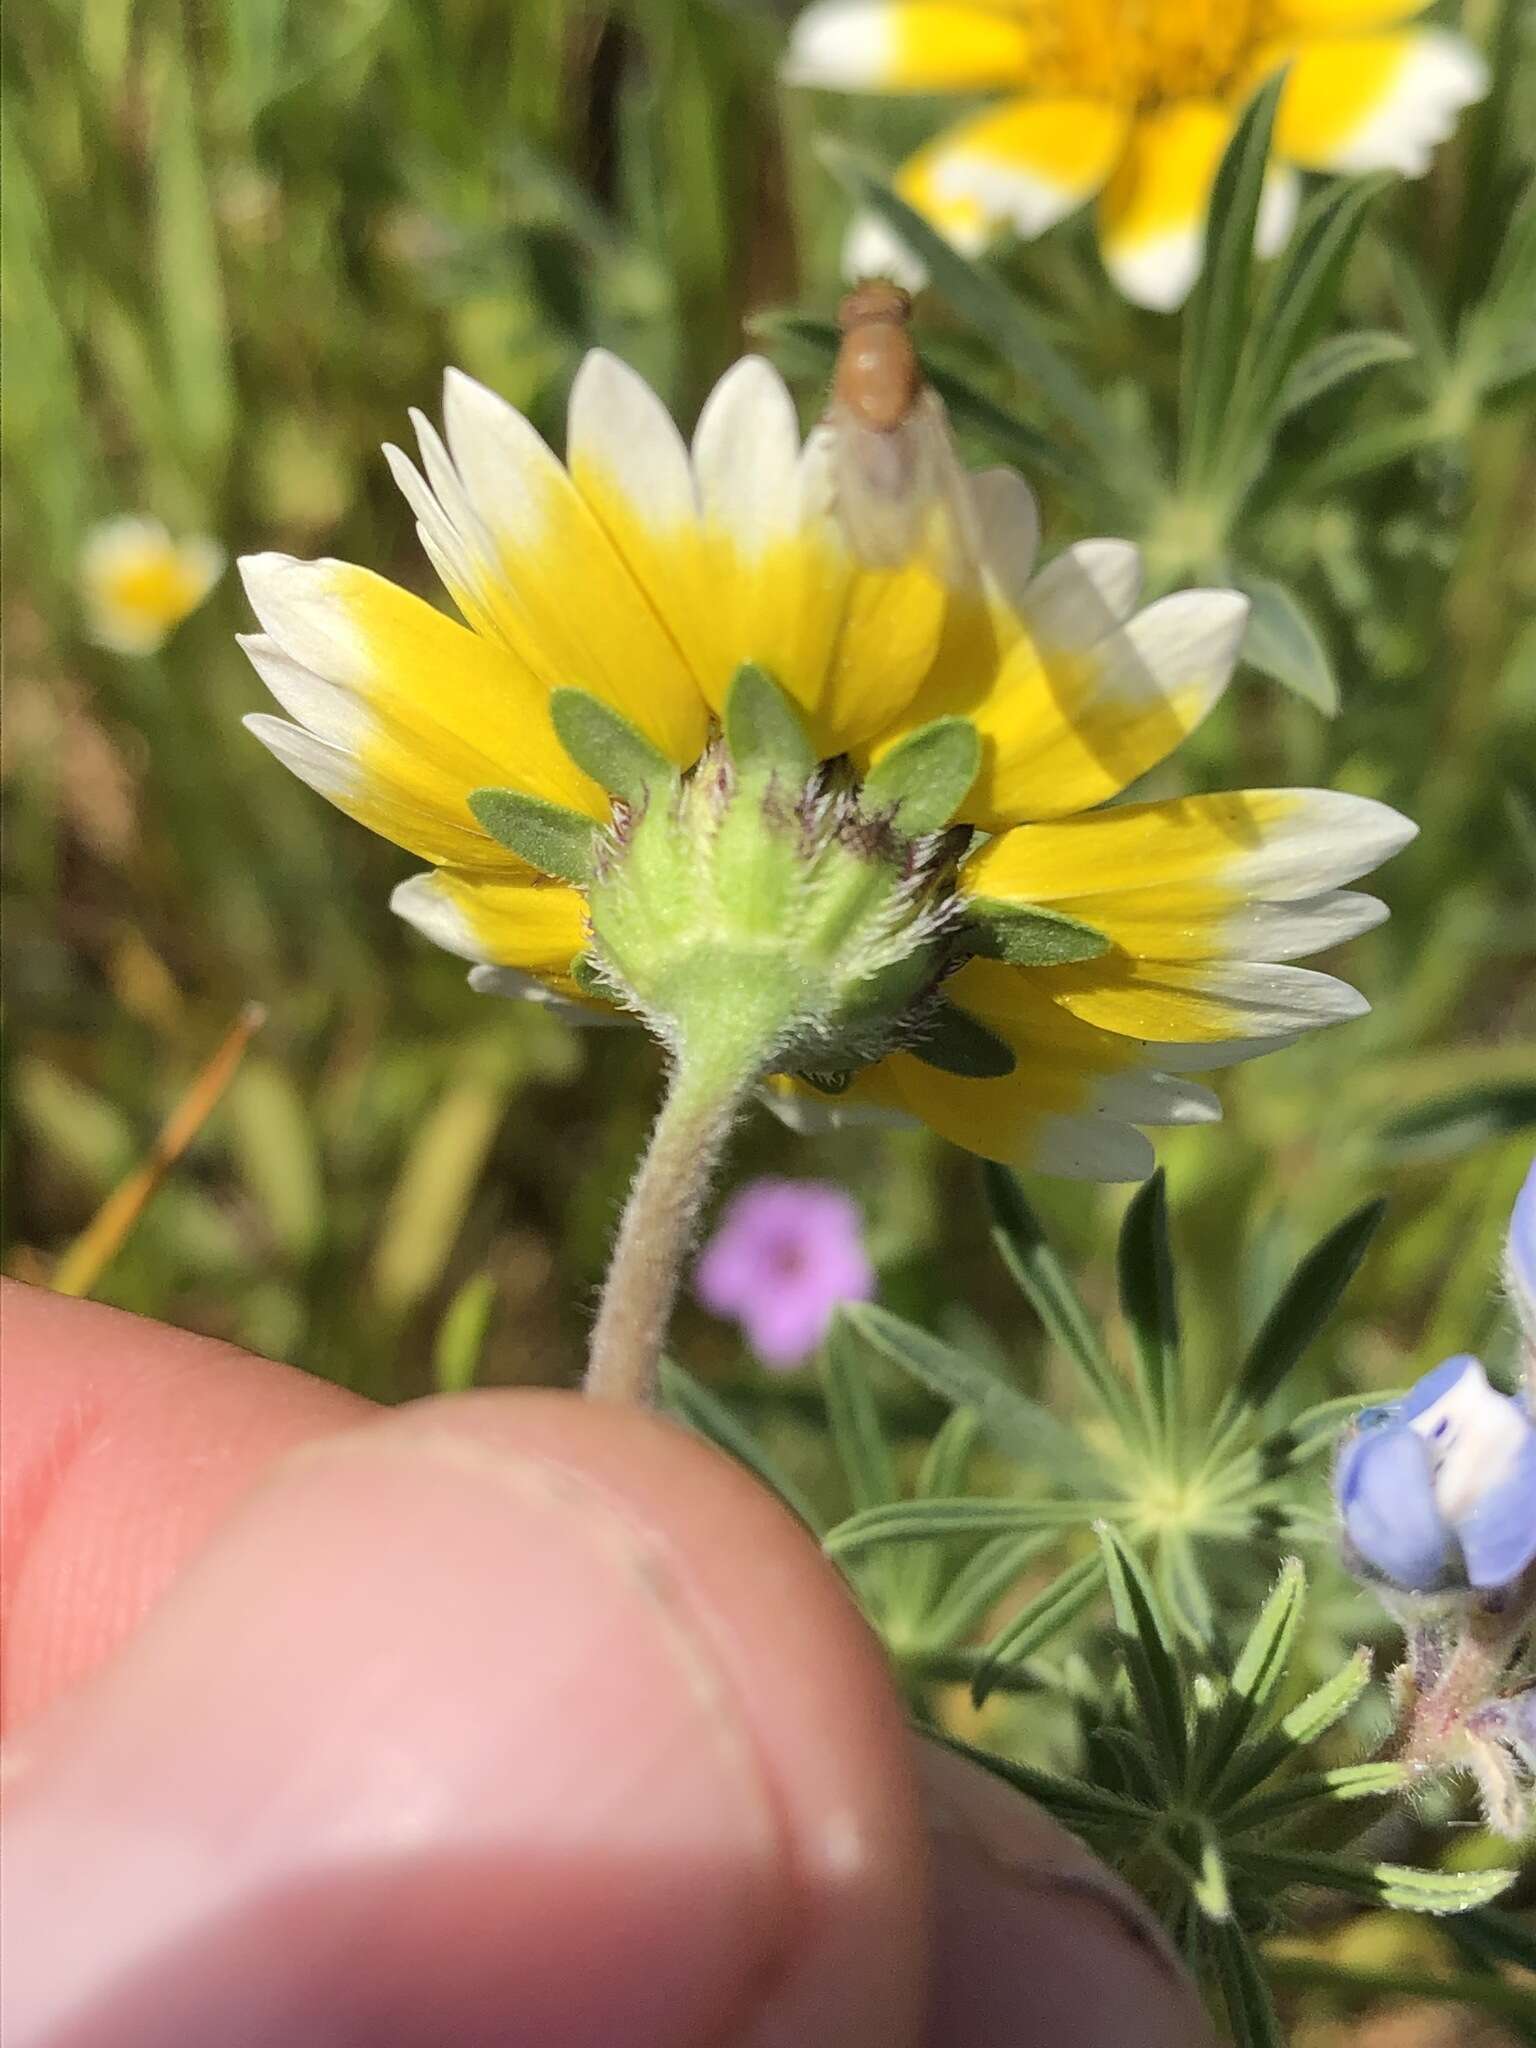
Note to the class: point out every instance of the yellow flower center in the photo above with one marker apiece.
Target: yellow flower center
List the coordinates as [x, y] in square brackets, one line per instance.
[1142, 52]
[159, 589]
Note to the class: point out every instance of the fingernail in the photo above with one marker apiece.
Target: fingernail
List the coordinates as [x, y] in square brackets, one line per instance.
[426, 1747]
[1037, 1940]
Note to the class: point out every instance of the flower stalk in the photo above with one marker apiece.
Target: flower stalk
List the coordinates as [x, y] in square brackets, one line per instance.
[704, 1095]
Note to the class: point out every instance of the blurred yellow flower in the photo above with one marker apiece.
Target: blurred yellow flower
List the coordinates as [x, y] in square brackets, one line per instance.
[646, 573]
[1134, 100]
[137, 584]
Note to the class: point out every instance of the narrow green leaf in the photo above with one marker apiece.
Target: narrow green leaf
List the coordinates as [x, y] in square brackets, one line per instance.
[957, 1043]
[1031, 1259]
[979, 298]
[979, 1584]
[550, 838]
[1426, 329]
[1281, 641]
[926, 1521]
[764, 730]
[1244, 1987]
[1071, 1799]
[1211, 1891]
[1384, 1884]
[855, 1421]
[1347, 1781]
[1017, 1426]
[1296, 308]
[1306, 1302]
[1334, 362]
[1043, 1618]
[940, 1476]
[1026, 935]
[1491, 1935]
[607, 747]
[1310, 1718]
[926, 777]
[1150, 1663]
[1219, 307]
[1148, 1302]
[708, 1416]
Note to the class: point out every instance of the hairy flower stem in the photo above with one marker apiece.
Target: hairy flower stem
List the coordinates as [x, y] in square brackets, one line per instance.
[657, 1229]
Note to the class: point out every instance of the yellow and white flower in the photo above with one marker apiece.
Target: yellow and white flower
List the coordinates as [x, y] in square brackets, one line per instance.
[1134, 100]
[645, 574]
[137, 584]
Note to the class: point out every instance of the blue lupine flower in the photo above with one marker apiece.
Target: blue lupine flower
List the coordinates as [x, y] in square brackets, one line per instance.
[1439, 1489]
[1520, 1256]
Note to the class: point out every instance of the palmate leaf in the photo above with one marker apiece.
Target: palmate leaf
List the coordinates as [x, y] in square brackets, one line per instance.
[1217, 317]
[709, 1418]
[979, 298]
[1013, 1423]
[1068, 1595]
[1033, 1263]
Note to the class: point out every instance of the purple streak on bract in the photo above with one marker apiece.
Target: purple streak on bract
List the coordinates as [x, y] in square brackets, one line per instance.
[785, 1254]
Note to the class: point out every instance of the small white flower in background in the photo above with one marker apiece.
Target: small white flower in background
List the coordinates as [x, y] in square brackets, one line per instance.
[137, 584]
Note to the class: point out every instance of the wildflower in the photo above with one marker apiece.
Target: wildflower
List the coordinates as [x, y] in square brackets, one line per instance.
[1134, 100]
[1439, 1489]
[785, 1254]
[137, 584]
[691, 757]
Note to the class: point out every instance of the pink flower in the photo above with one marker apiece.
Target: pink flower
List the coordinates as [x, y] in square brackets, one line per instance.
[785, 1254]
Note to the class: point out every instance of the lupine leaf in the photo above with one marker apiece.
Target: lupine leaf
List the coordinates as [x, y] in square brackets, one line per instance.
[1334, 361]
[921, 1521]
[1281, 641]
[1026, 935]
[763, 729]
[1056, 1608]
[1244, 1987]
[1148, 1302]
[1260, 1666]
[855, 1420]
[980, 299]
[1016, 1425]
[709, 1417]
[1212, 1893]
[1491, 1935]
[550, 838]
[927, 776]
[1306, 1721]
[1218, 312]
[607, 747]
[1346, 1781]
[957, 1043]
[1150, 1663]
[979, 1584]
[1031, 1259]
[1384, 1884]
[940, 1476]
[1306, 1302]
[1069, 1798]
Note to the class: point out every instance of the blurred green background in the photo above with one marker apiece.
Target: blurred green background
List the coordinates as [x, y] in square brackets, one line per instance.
[241, 238]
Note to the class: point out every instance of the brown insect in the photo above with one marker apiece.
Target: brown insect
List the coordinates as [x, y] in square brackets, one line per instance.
[896, 480]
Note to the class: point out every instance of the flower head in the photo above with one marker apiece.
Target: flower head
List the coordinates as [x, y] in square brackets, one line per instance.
[1439, 1489]
[137, 584]
[1135, 100]
[785, 1254]
[692, 756]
